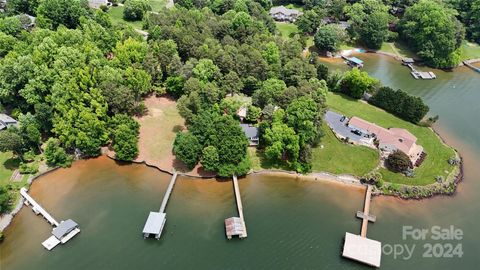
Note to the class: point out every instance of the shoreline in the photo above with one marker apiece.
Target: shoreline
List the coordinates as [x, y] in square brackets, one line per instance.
[7, 218]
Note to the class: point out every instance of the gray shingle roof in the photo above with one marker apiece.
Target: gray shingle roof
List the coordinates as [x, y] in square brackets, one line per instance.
[249, 130]
[64, 228]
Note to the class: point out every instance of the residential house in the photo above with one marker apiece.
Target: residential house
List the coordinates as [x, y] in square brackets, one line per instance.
[252, 134]
[6, 121]
[284, 14]
[389, 140]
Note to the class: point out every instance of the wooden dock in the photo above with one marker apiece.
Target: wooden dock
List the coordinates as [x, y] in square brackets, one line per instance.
[236, 225]
[359, 247]
[426, 75]
[156, 220]
[37, 208]
[366, 211]
[62, 232]
[168, 193]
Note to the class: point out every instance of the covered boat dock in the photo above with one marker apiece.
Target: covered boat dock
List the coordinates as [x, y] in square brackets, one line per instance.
[156, 220]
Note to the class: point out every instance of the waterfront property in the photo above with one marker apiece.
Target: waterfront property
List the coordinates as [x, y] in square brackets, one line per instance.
[283, 14]
[359, 247]
[235, 226]
[61, 233]
[156, 220]
[359, 131]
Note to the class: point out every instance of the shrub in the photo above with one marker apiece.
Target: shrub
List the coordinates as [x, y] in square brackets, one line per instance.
[398, 161]
[28, 168]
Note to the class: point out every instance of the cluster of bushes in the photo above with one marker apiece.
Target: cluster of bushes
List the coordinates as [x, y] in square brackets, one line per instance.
[418, 192]
[398, 102]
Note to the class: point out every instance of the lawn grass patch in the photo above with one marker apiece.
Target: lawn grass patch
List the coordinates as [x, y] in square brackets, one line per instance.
[158, 130]
[340, 158]
[470, 51]
[286, 29]
[116, 13]
[398, 48]
[436, 162]
[8, 164]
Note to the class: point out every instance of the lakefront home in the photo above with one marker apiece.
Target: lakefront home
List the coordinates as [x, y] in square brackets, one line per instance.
[389, 140]
[283, 14]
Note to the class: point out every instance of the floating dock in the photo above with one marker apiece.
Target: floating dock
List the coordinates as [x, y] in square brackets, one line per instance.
[425, 75]
[62, 232]
[156, 220]
[359, 247]
[235, 226]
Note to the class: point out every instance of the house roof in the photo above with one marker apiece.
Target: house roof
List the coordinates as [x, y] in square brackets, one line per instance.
[7, 119]
[401, 138]
[249, 130]
[284, 11]
[64, 228]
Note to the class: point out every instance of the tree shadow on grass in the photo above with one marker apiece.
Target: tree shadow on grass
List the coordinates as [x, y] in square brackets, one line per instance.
[12, 163]
[266, 163]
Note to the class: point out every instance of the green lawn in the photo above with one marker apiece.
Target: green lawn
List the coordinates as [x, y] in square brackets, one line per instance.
[116, 13]
[7, 166]
[470, 51]
[398, 48]
[438, 153]
[286, 29]
[341, 158]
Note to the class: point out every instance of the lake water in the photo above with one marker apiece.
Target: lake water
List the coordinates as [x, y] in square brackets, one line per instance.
[292, 224]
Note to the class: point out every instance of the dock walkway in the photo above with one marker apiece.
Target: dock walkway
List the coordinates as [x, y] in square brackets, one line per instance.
[37, 208]
[168, 193]
[469, 63]
[359, 247]
[62, 232]
[366, 211]
[236, 225]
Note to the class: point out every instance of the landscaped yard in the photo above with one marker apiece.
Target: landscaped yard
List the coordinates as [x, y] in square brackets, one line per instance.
[341, 158]
[436, 162]
[286, 29]
[116, 13]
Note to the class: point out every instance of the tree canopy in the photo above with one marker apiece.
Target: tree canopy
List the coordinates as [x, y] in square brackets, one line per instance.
[433, 32]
